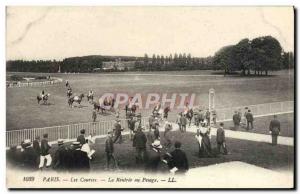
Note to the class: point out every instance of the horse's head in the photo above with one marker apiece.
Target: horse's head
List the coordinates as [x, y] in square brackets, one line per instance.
[81, 95]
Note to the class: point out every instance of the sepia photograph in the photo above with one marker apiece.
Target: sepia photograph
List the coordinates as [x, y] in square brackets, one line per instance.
[150, 97]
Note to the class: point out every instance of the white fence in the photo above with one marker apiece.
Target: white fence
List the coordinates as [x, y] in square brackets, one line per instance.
[33, 84]
[257, 110]
[71, 131]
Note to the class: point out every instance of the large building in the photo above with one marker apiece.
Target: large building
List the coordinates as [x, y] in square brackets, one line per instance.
[118, 65]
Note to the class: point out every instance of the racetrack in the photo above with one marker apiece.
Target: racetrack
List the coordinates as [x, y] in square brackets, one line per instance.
[24, 112]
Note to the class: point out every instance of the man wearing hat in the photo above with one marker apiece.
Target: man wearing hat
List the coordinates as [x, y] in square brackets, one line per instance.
[45, 147]
[221, 139]
[29, 155]
[59, 161]
[183, 122]
[168, 128]
[118, 131]
[81, 138]
[109, 149]
[139, 142]
[179, 159]
[131, 126]
[36, 145]
[236, 120]
[153, 157]
[274, 129]
[80, 159]
[151, 121]
[249, 118]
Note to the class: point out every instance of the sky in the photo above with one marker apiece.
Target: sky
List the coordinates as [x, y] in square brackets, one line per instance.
[60, 32]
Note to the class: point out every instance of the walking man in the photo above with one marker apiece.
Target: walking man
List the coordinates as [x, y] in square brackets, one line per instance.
[183, 122]
[118, 131]
[249, 118]
[221, 139]
[274, 130]
[236, 120]
[139, 142]
[131, 126]
[45, 147]
[109, 149]
[94, 115]
[81, 138]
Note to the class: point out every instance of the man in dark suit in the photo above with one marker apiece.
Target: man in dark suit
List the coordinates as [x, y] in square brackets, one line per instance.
[109, 149]
[153, 157]
[37, 147]
[29, 155]
[45, 147]
[80, 158]
[249, 118]
[274, 130]
[236, 120]
[221, 139]
[81, 138]
[183, 122]
[151, 121]
[139, 142]
[118, 131]
[179, 159]
[131, 126]
[59, 161]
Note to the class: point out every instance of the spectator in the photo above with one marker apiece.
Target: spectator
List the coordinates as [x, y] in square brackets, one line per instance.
[178, 121]
[36, 145]
[45, 147]
[236, 120]
[207, 117]
[168, 128]
[109, 149]
[59, 161]
[183, 122]
[244, 121]
[221, 139]
[156, 131]
[274, 130]
[151, 121]
[249, 118]
[150, 137]
[29, 155]
[118, 131]
[94, 115]
[80, 158]
[81, 138]
[153, 157]
[131, 126]
[197, 119]
[179, 161]
[214, 116]
[139, 142]
[166, 112]
[205, 145]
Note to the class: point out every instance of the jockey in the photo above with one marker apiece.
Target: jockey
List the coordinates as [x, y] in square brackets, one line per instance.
[42, 94]
[91, 92]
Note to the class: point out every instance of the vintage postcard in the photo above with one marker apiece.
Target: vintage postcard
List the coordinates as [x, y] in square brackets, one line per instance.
[150, 97]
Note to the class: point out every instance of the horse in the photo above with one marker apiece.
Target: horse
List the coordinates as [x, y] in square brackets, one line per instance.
[43, 97]
[77, 99]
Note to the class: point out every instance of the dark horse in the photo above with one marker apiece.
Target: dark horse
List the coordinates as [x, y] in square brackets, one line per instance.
[44, 98]
[77, 99]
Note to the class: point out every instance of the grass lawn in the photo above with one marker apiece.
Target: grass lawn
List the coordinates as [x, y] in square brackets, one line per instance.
[256, 153]
[261, 125]
[22, 110]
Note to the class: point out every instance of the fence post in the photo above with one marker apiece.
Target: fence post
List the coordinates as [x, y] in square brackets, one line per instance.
[68, 131]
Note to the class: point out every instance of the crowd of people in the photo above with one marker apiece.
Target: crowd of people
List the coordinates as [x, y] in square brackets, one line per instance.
[151, 148]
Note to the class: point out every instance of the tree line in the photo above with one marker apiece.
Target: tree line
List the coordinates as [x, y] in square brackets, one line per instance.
[257, 56]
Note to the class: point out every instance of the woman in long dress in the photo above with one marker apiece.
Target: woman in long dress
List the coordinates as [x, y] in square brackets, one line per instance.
[204, 142]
